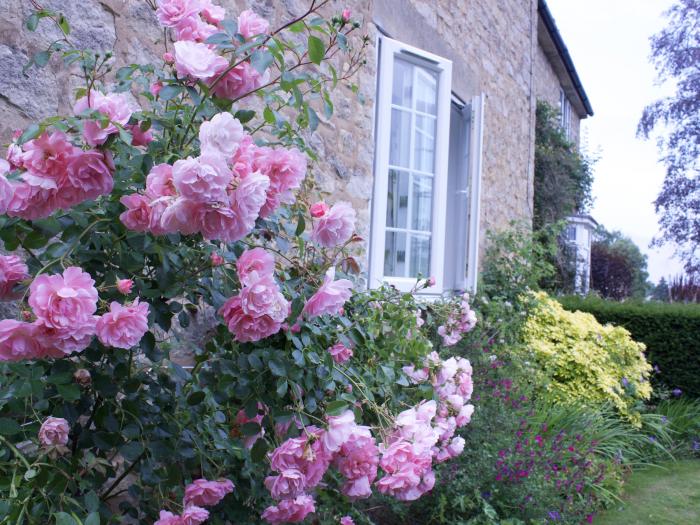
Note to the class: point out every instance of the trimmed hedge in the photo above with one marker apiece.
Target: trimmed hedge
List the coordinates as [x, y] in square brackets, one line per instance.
[671, 333]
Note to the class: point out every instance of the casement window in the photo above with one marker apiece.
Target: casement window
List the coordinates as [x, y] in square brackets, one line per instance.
[565, 113]
[411, 207]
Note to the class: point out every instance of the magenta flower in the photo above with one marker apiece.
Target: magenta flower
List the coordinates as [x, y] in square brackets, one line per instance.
[206, 493]
[335, 227]
[12, 271]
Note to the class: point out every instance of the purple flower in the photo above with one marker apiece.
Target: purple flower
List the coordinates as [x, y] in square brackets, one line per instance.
[677, 392]
[554, 515]
[625, 382]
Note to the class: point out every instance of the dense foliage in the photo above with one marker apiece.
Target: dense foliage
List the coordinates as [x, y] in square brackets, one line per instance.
[618, 267]
[183, 193]
[563, 175]
[574, 358]
[669, 332]
[675, 51]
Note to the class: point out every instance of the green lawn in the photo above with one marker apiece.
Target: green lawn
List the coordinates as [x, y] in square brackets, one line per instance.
[669, 495]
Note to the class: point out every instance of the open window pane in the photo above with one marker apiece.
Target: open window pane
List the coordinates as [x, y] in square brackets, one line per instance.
[403, 84]
[400, 144]
[421, 203]
[420, 255]
[426, 91]
[397, 199]
[424, 144]
[395, 254]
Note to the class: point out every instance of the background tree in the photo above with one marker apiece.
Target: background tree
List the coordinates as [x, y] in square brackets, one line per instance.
[661, 291]
[618, 267]
[675, 52]
[563, 175]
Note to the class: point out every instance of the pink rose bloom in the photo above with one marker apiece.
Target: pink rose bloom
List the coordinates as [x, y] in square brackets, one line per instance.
[221, 222]
[194, 515]
[250, 24]
[290, 510]
[318, 209]
[14, 156]
[194, 29]
[212, 13]
[7, 191]
[241, 80]
[286, 169]
[221, 135]
[357, 461]
[124, 286]
[197, 60]
[33, 197]
[54, 431]
[340, 428]
[88, 175]
[202, 179]
[330, 297]
[168, 58]
[12, 271]
[48, 154]
[340, 353]
[249, 197]
[171, 12]
[346, 520]
[456, 446]
[306, 453]
[159, 182]
[416, 376]
[216, 259]
[262, 297]
[207, 493]
[168, 518]
[19, 341]
[346, 15]
[244, 327]
[335, 227]
[242, 160]
[155, 88]
[138, 136]
[137, 216]
[253, 264]
[288, 484]
[181, 215]
[465, 415]
[117, 106]
[123, 326]
[65, 303]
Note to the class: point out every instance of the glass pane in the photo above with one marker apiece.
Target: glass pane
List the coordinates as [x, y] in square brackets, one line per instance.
[420, 255]
[426, 91]
[403, 83]
[422, 205]
[397, 200]
[424, 153]
[399, 146]
[395, 254]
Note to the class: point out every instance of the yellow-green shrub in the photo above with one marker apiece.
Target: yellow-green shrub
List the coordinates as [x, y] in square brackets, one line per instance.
[574, 358]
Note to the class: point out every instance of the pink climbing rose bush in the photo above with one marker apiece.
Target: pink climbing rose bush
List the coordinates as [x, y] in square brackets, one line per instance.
[188, 326]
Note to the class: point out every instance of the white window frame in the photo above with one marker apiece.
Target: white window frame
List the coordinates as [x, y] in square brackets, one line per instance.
[388, 49]
[476, 144]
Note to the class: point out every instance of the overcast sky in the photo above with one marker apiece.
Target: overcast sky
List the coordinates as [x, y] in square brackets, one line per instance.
[609, 43]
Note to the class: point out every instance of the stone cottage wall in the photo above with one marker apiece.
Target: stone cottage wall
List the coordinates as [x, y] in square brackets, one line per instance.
[548, 88]
[492, 43]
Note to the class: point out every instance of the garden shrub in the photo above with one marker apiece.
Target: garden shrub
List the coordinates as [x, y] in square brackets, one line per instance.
[573, 358]
[183, 190]
[670, 332]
